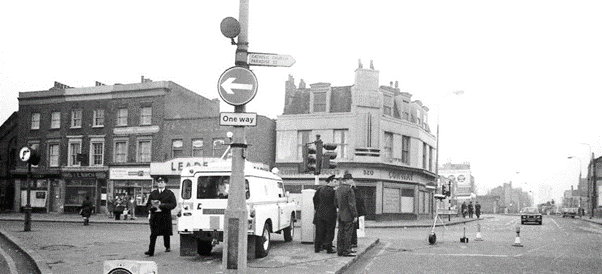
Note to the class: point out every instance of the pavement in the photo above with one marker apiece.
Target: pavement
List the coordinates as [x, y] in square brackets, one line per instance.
[81, 251]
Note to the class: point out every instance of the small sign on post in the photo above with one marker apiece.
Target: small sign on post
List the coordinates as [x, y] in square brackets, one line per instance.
[270, 59]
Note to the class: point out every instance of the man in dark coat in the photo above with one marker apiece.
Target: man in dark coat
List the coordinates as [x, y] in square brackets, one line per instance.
[477, 209]
[361, 211]
[463, 208]
[86, 210]
[346, 216]
[470, 209]
[325, 216]
[160, 203]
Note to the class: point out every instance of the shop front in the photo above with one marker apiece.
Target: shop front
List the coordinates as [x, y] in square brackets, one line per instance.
[82, 184]
[389, 192]
[44, 189]
[131, 186]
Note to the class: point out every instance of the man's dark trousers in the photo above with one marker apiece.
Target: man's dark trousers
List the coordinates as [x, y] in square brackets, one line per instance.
[153, 240]
[344, 237]
[324, 235]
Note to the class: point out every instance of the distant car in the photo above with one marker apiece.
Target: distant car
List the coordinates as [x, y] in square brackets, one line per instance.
[530, 215]
[569, 212]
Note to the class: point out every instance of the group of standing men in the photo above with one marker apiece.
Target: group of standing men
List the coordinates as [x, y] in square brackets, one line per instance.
[337, 202]
[469, 209]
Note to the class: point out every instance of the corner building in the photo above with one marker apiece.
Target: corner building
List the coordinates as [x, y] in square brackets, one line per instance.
[383, 140]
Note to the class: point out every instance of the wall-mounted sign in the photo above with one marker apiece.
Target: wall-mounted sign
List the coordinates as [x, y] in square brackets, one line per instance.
[130, 173]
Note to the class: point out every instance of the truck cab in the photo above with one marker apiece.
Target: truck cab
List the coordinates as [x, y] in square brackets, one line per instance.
[204, 198]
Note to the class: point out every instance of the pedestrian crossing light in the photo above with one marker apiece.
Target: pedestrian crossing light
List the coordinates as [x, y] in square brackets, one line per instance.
[328, 156]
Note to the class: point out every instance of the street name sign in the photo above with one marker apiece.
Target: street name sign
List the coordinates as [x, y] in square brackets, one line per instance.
[237, 86]
[270, 59]
[237, 119]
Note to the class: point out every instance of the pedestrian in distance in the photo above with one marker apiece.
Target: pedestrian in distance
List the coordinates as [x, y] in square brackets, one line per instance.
[477, 209]
[110, 207]
[361, 211]
[118, 208]
[325, 216]
[86, 210]
[470, 209]
[160, 203]
[347, 216]
[463, 208]
[132, 208]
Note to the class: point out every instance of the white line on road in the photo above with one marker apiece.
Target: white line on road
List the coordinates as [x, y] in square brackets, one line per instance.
[518, 255]
[11, 264]
[461, 255]
[555, 223]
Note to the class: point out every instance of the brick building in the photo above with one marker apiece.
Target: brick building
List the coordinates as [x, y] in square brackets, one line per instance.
[8, 161]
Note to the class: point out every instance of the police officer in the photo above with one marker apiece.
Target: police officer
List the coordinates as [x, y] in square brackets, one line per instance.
[160, 203]
[325, 216]
[347, 216]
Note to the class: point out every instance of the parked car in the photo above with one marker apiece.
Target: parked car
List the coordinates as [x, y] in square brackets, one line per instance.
[530, 215]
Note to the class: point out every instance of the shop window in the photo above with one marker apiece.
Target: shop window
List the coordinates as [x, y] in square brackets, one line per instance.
[407, 200]
[55, 121]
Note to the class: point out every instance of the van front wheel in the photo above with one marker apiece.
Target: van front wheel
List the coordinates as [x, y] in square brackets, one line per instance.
[262, 243]
[289, 232]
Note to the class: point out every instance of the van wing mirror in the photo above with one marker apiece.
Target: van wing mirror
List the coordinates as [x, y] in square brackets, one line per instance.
[288, 194]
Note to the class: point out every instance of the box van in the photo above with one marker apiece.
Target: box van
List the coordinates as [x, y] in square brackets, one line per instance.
[204, 197]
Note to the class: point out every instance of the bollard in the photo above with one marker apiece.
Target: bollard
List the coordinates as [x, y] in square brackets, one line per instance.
[517, 239]
[478, 237]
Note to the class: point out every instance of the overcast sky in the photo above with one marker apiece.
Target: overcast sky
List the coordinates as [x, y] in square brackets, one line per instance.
[531, 70]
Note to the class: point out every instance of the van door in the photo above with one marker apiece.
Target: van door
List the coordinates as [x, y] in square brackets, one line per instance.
[284, 216]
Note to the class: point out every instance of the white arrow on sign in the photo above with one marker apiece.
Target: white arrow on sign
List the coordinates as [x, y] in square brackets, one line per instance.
[229, 84]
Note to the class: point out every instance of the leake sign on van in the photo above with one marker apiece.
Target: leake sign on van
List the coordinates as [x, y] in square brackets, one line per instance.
[237, 119]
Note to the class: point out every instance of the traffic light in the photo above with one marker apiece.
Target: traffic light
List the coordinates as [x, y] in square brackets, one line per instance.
[328, 156]
[443, 191]
[449, 188]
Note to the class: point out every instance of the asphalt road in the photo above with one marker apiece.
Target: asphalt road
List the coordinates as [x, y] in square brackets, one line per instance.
[558, 246]
[13, 261]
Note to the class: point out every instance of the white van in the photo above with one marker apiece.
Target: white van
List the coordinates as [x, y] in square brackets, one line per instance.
[204, 197]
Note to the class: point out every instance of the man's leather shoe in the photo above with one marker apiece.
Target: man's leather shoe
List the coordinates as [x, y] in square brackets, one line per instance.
[330, 251]
[167, 249]
[347, 255]
[147, 253]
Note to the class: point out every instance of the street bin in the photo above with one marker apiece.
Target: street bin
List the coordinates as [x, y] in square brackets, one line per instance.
[307, 216]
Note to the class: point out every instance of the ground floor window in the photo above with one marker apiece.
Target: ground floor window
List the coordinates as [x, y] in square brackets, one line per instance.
[398, 200]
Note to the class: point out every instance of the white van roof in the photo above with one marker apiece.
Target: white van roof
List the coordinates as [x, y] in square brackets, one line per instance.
[225, 166]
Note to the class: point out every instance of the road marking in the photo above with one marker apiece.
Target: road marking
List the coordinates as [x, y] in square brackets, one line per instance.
[519, 255]
[11, 264]
[555, 223]
[591, 229]
[462, 255]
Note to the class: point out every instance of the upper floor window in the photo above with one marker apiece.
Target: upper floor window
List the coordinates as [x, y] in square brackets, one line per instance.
[405, 149]
[406, 110]
[97, 147]
[197, 147]
[302, 139]
[53, 154]
[144, 151]
[75, 148]
[219, 147]
[121, 151]
[387, 105]
[35, 120]
[431, 152]
[146, 114]
[76, 118]
[122, 117]
[55, 120]
[99, 117]
[320, 102]
[388, 146]
[425, 148]
[177, 148]
[340, 138]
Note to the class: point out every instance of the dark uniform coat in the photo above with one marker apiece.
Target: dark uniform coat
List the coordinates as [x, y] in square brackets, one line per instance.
[160, 222]
[359, 203]
[346, 203]
[325, 204]
[86, 208]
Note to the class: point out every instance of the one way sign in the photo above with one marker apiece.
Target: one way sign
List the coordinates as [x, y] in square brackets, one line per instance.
[237, 86]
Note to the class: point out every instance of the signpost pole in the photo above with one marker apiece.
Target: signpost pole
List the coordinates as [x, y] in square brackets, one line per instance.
[236, 215]
[27, 223]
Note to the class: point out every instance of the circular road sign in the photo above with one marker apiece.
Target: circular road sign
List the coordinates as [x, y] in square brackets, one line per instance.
[25, 154]
[237, 86]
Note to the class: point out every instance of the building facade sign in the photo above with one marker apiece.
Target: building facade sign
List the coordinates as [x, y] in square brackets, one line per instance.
[129, 173]
[363, 173]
